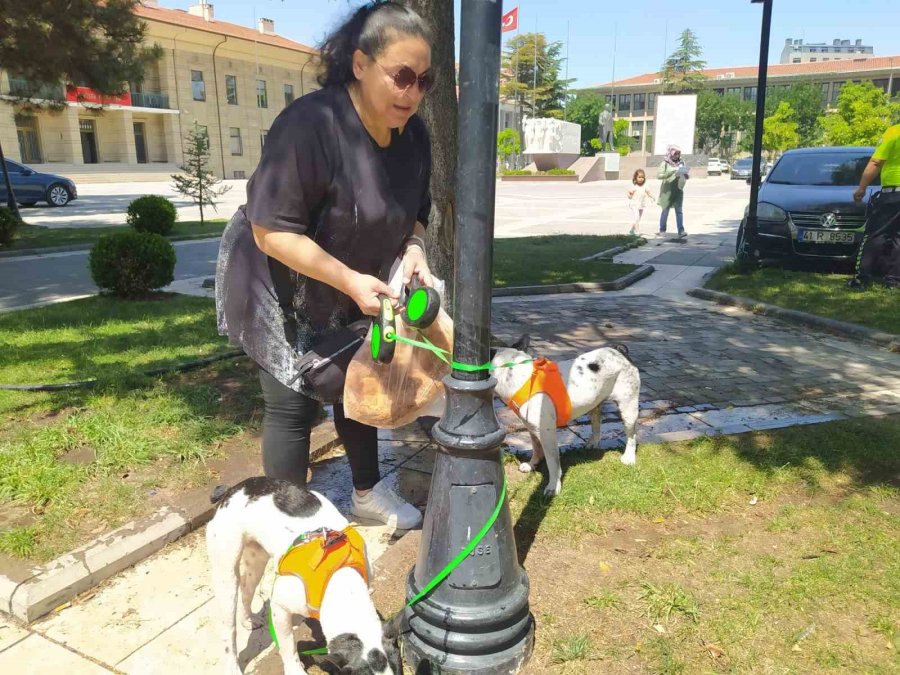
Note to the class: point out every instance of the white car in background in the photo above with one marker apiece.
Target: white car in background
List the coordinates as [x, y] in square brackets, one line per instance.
[715, 166]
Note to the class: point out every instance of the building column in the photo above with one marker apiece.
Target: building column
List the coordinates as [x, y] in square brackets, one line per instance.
[8, 135]
[70, 138]
[127, 152]
[172, 139]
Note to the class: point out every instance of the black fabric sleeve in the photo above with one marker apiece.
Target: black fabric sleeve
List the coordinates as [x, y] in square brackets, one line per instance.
[425, 200]
[291, 182]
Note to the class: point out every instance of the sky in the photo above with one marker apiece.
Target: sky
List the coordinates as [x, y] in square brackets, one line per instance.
[610, 39]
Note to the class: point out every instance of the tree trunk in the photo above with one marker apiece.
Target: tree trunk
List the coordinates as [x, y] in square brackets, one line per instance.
[439, 110]
[10, 195]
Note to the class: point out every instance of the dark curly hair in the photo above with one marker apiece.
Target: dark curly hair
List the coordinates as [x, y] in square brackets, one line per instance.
[371, 29]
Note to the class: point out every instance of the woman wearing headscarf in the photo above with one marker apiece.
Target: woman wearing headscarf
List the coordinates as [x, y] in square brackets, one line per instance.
[674, 174]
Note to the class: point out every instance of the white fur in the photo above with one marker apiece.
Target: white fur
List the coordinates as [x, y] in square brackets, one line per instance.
[241, 538]
[616, 379]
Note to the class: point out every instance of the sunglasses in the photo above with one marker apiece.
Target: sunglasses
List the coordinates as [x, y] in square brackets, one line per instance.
[406, 77]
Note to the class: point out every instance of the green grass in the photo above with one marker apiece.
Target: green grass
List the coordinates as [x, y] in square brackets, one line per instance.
[821, 294]
[803, 579]
[104, 337]
[80, 461]
[36, 236]
[555, 259]
[574, 648]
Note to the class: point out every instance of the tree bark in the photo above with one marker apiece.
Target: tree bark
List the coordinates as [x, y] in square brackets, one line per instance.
[440, 111]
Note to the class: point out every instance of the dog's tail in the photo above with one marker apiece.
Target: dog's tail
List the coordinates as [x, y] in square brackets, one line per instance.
[218, 494]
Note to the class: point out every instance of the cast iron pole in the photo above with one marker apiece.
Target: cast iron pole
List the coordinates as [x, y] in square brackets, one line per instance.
[748, 249]
[478, 619]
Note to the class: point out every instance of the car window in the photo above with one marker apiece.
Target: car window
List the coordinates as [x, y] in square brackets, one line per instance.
[820, 168]
[12, 167]
[744, 163]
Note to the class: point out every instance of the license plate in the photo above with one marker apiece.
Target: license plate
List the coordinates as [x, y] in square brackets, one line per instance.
[825, 237]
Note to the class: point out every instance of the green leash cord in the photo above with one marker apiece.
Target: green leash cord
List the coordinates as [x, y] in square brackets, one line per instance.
[444, 355]
[430, 586]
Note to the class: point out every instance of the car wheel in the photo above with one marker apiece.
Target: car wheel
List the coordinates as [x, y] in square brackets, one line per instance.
[58, 195]
[739, 241]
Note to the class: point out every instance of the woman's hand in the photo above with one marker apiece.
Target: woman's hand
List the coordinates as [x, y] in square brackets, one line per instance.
[415, 264]
[364, 290]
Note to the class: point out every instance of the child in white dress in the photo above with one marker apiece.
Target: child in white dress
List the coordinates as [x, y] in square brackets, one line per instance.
[638, 194]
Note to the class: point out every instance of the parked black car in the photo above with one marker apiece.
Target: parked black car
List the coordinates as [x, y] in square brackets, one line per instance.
[806, 207]
[31, 187]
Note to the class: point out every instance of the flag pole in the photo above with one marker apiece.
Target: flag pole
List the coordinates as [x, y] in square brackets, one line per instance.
[534, 72]
[566, 100]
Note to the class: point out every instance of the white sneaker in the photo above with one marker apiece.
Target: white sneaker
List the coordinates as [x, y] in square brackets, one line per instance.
[385, 506]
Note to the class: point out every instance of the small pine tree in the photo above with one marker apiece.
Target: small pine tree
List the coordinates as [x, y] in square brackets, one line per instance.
[198, 182]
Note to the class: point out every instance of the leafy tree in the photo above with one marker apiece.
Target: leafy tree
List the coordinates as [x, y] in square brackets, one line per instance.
[806, 100]
[780, 130]
[682, 71]
[198, 182]
[863, 115]
[541, 92]
[585, 109]
[97, 44]
[720, 119]
[508, 145]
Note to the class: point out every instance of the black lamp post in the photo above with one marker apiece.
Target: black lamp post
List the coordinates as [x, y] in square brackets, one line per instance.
[748, 252]
[478, 619]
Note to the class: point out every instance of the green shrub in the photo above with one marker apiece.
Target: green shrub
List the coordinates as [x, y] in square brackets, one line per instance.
[152, 213]
[131, 264]
[515, 172]
[9, 225]
[558, 172]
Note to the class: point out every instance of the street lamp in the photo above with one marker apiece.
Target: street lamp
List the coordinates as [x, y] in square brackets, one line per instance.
[748, 252]
[478, 619]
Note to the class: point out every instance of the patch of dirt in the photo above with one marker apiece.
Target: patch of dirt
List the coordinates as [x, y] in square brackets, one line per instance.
[83, 454]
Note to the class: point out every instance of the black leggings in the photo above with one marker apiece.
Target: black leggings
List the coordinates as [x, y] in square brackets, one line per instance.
[287, 424]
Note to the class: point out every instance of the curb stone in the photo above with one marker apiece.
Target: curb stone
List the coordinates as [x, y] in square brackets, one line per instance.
[61, 580]
[632, 277]
[616, 250]
[843, 328]
[87, 247]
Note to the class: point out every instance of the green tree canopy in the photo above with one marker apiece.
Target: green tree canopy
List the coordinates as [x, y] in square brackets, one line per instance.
[863, 115]
[585, 109]
[530, 75]
[806, 100]
[682, 71]
[780, 130]
[720, 119]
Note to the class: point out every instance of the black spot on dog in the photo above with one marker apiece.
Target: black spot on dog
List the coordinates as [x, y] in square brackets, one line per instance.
[289, 498]
[579, 370]
[594, 366]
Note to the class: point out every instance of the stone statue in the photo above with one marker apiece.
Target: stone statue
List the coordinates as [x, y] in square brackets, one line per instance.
[606, 128]
[528, 133]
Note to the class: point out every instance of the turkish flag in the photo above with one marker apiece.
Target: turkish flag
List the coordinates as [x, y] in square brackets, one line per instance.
[510, 20]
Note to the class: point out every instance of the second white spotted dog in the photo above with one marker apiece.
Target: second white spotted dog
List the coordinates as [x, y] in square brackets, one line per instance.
[590, 379]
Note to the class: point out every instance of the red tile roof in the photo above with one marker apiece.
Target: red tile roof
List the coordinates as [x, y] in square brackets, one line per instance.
[780, 70]
[179, 17]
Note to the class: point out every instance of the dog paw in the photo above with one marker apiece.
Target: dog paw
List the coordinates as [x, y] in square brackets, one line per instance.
[552, 490]
[525, 467]
[253, 622]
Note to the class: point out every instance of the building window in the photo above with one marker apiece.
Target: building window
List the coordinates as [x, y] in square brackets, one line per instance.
[825, 88]
[640, 102]
[749, 93]
[262, 138]
[231, 89]
[262, 98]
[29, 139]
[651, 102]
[796, 60]
[288, 94]
[813, 60]
[881, 84]
[198, 86]
[733, 91]
[624, 104]
[237, 148]
[836, 91]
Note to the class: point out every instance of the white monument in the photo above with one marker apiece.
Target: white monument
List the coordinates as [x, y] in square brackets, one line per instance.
[676, 119]
[551, 143]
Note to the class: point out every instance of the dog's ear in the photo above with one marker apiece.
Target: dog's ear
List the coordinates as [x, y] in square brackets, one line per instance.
[523, 343]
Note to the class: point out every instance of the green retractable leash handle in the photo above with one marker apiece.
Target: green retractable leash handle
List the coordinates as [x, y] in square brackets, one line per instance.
[422, 305]
[384, 332]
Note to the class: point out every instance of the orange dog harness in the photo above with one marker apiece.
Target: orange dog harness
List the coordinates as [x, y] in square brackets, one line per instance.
[315, 560]
[545, 379]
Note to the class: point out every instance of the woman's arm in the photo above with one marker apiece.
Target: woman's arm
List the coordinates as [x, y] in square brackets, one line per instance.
[302, 254]
[415, 262]
[667, 174]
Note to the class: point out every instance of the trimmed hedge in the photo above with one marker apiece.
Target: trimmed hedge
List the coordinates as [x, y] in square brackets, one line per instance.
[152, 213]
[132, 264]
